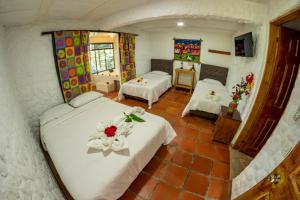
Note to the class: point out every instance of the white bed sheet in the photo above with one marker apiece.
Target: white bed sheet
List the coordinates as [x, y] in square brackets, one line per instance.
[199, 100]
[156, 85]
[90, 174]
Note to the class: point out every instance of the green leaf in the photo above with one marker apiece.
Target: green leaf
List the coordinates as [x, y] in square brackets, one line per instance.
[136, 118]
[128, 118]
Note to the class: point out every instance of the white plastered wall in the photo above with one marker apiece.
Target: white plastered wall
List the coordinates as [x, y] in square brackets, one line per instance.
[162, 47]
[33, 68]
[241, 66]
[142, 55]
[24, 173]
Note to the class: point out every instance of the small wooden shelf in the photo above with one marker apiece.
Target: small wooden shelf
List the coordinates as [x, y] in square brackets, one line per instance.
[185, 71]
[219, 52]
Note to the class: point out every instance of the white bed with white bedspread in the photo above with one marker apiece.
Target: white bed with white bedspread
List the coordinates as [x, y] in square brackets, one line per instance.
[203, 101]
[90, 174]
[150, 87]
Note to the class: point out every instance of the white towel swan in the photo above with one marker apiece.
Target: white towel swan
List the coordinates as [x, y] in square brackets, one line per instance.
[118, 142]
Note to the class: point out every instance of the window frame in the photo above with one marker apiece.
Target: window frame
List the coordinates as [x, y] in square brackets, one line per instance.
[96, 50]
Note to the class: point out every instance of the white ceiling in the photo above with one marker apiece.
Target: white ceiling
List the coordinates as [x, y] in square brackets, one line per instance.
[190, 24]
[260, 1]
[16, 12]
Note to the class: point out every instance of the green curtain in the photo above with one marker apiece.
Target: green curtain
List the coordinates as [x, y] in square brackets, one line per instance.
[72, 59]
[127, 56]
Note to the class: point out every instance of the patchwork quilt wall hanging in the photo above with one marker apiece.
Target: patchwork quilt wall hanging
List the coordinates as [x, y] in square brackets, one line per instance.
[127, 56]
[187, 50]
[72, 59]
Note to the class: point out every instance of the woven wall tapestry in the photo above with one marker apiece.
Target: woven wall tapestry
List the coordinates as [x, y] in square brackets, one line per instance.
[127, 56]
[187, 50]
[72, 61]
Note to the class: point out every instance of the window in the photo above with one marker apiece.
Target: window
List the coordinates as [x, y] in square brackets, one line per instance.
[101, 57]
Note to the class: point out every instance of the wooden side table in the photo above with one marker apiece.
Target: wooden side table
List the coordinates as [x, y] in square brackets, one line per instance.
[226, 126]
[185, 71]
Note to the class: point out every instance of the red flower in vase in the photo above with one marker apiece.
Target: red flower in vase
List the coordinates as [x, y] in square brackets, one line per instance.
[110, 131]
[235, 96]
[250, 78]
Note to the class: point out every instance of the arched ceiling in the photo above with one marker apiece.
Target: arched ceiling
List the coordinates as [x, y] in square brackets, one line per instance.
[189, 25]
[240, 11]
[109, 14]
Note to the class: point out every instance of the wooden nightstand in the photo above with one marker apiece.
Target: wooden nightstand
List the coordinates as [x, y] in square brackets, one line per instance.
[185, 71]
[226, 126]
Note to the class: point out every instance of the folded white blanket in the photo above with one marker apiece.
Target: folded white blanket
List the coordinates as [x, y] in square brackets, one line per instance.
[112, 134]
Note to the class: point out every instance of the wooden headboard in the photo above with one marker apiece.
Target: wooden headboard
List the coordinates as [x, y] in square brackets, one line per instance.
[162, 65]
[213, 72]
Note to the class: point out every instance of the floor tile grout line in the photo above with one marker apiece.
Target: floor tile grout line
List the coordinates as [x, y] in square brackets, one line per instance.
[177, 147]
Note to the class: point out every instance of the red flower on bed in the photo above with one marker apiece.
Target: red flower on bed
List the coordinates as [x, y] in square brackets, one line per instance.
[110, 131]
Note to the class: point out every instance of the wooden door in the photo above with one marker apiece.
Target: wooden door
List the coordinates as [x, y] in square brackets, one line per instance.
[286, 187]
[282, 83]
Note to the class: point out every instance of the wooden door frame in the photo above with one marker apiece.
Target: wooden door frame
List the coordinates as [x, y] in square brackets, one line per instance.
[268, 72]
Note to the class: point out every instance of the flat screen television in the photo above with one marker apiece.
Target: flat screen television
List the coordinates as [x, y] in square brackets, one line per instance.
[244, 45]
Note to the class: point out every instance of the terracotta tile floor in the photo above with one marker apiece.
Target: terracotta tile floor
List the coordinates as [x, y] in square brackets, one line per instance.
[192, 167]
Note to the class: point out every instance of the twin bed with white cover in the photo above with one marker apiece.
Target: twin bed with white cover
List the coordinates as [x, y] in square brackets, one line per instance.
[210, 92]
[149, 86]
[202, 99]
[152, 85]
[88, 173]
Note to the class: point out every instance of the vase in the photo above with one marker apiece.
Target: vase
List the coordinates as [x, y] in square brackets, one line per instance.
[232, 107]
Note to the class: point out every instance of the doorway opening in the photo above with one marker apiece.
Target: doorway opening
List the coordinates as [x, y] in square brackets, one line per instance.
[105, 62]
[278, 81]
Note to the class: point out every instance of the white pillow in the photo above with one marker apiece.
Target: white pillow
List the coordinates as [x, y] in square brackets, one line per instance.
[55, 113]
[212, 81]
[160, 73]
[85, 98]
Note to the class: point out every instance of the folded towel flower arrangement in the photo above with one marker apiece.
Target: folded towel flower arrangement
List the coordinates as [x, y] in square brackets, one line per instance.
[112, 135]
[212, 96]
[139, 81]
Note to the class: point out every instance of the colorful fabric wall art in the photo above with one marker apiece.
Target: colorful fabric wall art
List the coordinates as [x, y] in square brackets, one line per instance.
[72, 60]
[187, 50]
[127, 56]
